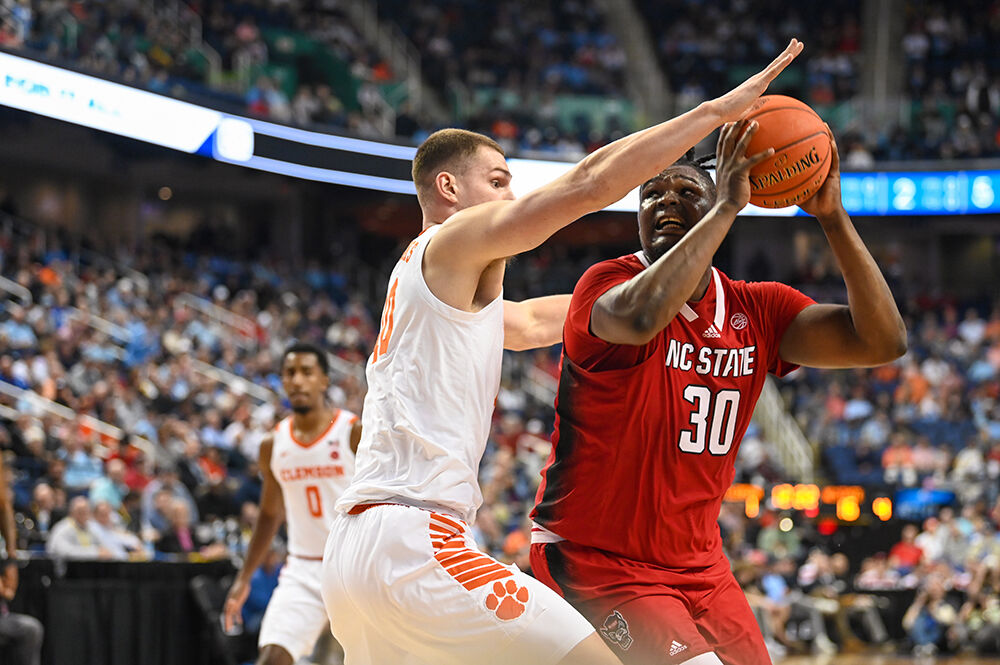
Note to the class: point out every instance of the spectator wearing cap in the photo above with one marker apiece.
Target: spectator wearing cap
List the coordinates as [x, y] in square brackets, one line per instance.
[75, 536]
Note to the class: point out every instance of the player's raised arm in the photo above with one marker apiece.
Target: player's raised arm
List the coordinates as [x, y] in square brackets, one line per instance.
[682, 201]
[476, 236]
[867, 331]
[534, 323]
[272, 514]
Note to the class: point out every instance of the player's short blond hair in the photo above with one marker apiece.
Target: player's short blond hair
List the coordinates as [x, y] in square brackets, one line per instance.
[446, 150]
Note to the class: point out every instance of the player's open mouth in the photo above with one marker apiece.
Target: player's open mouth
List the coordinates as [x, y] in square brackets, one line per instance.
[670, 223]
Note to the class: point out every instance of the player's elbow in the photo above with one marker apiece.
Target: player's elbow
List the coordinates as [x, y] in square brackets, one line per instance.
[893, 344]
[634, 328]
[885, 351]
[894, 348]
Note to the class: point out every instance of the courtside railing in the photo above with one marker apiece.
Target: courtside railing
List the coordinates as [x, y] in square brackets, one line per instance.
[791, 446]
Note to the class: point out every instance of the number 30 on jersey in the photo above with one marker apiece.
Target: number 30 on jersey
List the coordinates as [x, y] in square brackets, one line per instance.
[713, 420]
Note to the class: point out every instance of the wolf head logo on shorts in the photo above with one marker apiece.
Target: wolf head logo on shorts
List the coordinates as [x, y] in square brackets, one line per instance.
[615, 631]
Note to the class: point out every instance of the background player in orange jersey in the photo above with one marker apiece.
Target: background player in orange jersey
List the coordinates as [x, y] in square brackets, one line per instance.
[306, 464]
[664, 358]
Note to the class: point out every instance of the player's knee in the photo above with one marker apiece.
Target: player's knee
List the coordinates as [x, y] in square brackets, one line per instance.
[591, 651]
[272, 654]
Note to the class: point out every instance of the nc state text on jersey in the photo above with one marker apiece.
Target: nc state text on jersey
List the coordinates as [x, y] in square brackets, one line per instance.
[708, 360]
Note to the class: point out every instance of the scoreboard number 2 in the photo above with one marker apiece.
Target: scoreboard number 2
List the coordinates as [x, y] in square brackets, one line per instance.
[713, 420]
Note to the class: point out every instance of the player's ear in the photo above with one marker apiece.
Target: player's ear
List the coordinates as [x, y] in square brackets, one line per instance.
[446, 186]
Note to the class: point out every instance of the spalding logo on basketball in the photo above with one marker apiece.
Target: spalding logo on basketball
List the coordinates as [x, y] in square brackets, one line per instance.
[802, 152]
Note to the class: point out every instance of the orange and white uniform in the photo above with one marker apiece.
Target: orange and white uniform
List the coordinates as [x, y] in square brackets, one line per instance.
[312, 476]
[403, 579]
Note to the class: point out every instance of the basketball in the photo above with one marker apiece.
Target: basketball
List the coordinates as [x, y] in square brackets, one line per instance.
[801, 158]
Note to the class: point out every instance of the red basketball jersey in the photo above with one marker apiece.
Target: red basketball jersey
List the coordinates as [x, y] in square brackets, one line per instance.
[646, 436]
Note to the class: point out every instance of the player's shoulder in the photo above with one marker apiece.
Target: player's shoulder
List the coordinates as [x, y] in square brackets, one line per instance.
[347, 417]
[266, 444]
[754, 289]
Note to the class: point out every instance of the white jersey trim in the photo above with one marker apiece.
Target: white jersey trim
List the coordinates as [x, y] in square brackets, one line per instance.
[685, 310]
[539, 534]
[440, 306]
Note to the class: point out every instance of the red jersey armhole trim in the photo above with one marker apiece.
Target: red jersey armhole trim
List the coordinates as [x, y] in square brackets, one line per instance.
[291, 431]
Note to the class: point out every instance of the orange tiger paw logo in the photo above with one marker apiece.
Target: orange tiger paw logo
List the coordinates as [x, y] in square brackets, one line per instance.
[507, 600]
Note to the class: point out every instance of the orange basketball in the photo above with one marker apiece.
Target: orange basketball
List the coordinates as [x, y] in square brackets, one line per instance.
[801, 152]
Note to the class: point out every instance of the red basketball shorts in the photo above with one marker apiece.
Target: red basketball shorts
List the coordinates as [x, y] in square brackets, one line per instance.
[650, 615]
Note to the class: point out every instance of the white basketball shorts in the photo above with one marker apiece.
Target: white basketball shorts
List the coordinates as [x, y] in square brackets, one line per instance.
[405, 585]
[295, 616]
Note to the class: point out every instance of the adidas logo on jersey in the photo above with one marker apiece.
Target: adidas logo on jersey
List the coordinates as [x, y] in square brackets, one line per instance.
[675, 646]
[711, 332]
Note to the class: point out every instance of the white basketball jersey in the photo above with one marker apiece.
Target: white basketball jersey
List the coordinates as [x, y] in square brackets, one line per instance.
[312, 475]
[433, 379]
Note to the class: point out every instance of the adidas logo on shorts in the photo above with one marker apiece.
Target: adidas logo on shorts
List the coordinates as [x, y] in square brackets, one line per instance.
[676, 647]
[711, 332]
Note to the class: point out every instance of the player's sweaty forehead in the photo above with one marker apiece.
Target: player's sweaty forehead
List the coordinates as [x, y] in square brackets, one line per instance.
[684, 172]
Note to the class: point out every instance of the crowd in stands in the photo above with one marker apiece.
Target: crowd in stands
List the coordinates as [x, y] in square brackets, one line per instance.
[515, 59]
[706, 48]
[228, 53]
[181, 480]
[504, 68]
[930, 420]
[952, 79]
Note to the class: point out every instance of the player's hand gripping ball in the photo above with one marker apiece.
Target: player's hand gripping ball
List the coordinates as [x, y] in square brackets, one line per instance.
[801, 157]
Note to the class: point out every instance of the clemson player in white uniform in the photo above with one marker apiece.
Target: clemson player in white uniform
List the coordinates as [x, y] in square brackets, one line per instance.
[307, 464]
[403, 581]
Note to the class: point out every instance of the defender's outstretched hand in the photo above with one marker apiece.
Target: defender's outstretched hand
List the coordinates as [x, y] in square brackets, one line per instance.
[732, 105]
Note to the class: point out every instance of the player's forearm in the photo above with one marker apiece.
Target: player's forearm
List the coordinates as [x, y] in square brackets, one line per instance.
[648, 302]
[874, 315]
[534, 323]
[260, 542]
[600, 179]
[619, 167]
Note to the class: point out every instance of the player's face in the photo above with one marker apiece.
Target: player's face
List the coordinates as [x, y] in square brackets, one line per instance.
[486, 178]
[669, 206]
[304, 381]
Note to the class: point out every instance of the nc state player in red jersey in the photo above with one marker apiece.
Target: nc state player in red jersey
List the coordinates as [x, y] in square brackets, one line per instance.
[664, 358]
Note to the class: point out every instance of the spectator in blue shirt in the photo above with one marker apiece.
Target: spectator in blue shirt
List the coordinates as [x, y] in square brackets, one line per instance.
[82, 467]
[112, 487]
[16, 332]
